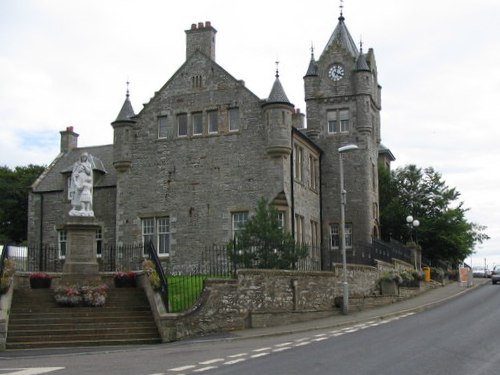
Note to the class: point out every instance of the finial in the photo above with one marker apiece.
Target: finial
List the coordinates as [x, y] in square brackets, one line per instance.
[277, 70]
[128, 94]
[312, 50]
[360, 45]
[341, 6]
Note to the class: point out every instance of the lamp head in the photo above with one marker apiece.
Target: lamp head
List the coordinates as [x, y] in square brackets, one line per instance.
[348, 148]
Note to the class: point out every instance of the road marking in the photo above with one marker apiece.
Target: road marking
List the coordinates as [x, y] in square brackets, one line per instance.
[237, 355]
[235, 361]
[261, 349]
[30, 371]
[281, 349]
[212, 361]
[182, 368]
[202, 369]
[284, 344]
[303, 343]
[259, 355]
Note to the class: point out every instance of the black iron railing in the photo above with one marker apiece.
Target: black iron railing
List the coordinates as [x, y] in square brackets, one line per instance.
[153, 256]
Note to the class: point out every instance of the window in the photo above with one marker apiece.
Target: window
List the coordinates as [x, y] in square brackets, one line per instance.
[98, 240]
[182, 130]
[196, 81]
[297, 156]
[213, 122]
[299, 228]
[157, 230]
[62, 240]
[197, 123]
[281, 219]
[234, 119]
[313, 172]
[239, 219]
[338, 121]
[314, 233]
[335, 235]
[162, 127]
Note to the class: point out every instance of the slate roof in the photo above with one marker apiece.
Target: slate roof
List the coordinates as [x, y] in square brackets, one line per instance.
[277, 94]
[53, 178]
[343, 37]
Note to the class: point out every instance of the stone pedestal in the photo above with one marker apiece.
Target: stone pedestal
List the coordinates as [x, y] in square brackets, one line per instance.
[80, 265]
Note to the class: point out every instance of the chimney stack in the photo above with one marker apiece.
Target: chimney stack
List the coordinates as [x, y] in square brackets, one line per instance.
[69, 139]
[201, 37]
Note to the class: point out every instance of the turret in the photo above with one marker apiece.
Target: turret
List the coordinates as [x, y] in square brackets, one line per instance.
[122, 135]
[363, 81]
[278, 112]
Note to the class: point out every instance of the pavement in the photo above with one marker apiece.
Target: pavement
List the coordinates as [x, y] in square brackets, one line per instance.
[424, 301]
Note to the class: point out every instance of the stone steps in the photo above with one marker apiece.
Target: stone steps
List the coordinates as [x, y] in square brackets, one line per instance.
[36, 321]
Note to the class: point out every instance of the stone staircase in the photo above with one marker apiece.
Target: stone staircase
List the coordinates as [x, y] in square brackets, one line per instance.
[36, 321]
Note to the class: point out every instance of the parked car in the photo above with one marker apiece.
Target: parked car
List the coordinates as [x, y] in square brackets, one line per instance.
[478, 271]
[495, 275]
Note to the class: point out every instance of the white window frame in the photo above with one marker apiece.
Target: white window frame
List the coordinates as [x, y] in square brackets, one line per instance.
[335, 235]
[197, 121]
[338, 121]
[162, 127]
[238, 220]
[213, 121]
[299, 229]
[62, 243]
[157, 229]
[313, 172]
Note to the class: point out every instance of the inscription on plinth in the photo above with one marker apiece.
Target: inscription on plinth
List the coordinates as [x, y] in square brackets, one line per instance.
[81, 250]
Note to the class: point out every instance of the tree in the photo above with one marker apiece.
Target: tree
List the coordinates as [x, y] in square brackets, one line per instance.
[444, 232]
[262, 242]
[14, 189]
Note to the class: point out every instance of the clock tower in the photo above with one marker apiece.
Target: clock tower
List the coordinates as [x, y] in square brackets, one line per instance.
[343, 104]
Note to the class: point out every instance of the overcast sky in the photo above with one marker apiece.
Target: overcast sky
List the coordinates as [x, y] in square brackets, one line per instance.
[65, 63]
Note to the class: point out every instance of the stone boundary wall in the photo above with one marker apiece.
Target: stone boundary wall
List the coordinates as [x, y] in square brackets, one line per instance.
[261, 298]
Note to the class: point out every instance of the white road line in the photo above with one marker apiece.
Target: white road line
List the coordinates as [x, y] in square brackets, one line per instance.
[182, 368]
[235, 361]
[303, 343]
[283, 348]
[209, 362]
[259, 355]
[30, 371]
[284, 344]
[202, 369]
[261, 349]
[237, 355]
[320, 339]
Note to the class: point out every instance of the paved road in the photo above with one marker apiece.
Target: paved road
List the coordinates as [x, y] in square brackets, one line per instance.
[454, 337]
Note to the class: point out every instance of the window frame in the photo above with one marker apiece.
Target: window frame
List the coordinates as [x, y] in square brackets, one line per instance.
[184, 125]
[233, 115]
[335, 236]
[150, 231]
[162, 127]
[197, 123]
[211, 121]
[62, 243]
[338, 121]
[244, 215]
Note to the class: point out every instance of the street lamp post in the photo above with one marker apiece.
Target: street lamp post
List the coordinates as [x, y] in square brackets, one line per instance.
[345, 285]
[413, 224]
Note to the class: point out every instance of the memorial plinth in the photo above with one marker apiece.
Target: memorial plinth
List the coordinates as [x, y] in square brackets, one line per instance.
[81, 265]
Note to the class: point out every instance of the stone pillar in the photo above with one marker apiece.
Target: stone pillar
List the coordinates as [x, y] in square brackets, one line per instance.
[81, 265]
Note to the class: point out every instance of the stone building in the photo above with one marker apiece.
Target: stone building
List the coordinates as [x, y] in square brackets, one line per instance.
[189, 168]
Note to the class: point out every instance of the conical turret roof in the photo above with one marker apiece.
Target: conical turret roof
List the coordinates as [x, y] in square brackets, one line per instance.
[127, 112]
[277, 94]
[342, 36]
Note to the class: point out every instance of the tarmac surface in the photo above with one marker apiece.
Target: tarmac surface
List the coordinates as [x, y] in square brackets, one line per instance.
[424, 301]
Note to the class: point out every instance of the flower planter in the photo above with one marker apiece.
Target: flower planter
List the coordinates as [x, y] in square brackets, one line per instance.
[40, 283]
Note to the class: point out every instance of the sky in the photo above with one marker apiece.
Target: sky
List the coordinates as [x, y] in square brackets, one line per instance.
[66, 63]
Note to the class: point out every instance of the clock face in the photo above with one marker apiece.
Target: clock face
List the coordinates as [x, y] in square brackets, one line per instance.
[336, 72]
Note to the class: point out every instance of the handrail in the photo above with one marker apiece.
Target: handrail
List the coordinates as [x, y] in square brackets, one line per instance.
[151, 251]
[3, 256]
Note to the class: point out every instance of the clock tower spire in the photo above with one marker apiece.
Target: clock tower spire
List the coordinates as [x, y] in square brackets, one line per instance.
[343, 107]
